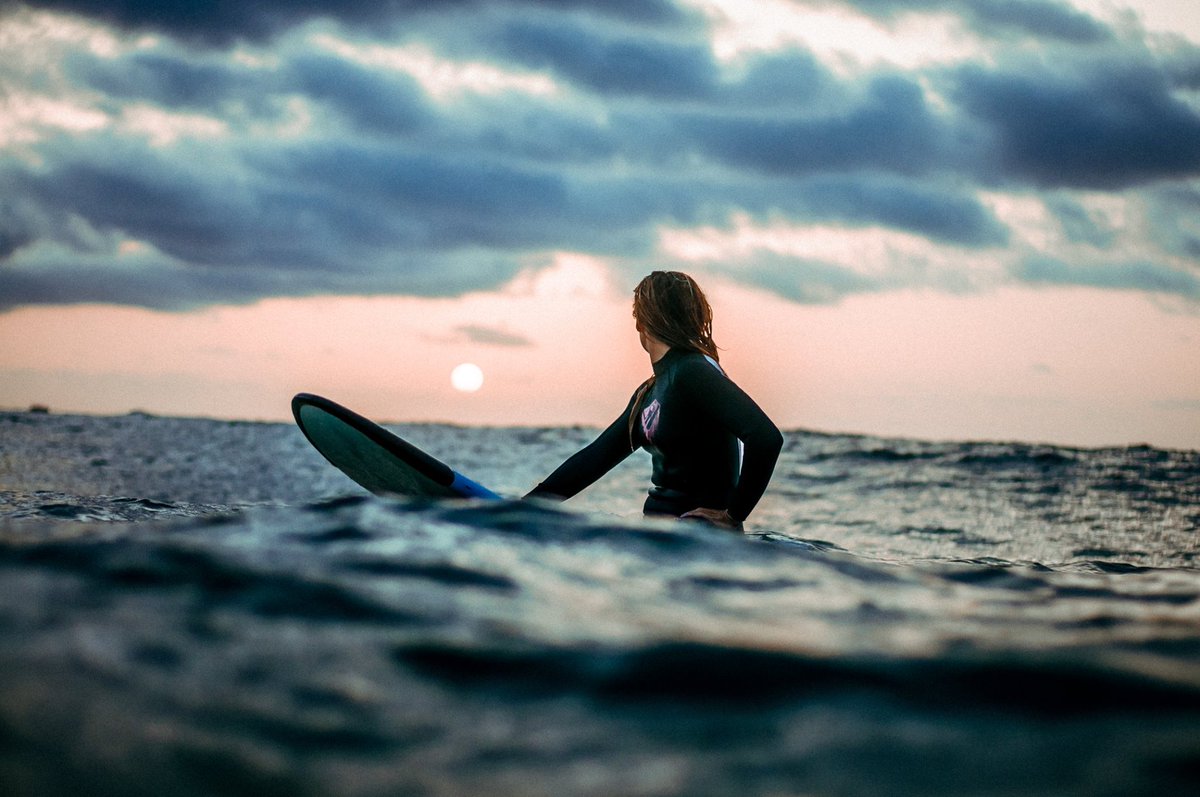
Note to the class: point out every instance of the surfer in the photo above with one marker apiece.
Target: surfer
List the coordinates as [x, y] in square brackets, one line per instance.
[689, 415]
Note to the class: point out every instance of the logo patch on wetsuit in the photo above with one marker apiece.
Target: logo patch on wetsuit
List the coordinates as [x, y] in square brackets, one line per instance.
[650, 419]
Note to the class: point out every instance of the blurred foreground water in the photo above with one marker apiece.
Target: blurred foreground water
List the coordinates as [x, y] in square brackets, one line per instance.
[205, 607]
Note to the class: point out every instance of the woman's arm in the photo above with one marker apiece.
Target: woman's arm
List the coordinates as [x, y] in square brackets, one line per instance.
[589, 463]
[730, 406]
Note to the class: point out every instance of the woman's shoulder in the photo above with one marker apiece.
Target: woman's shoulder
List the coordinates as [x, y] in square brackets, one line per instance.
[695, 364]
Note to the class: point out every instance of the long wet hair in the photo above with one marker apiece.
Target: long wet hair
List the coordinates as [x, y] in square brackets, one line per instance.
[670, 306]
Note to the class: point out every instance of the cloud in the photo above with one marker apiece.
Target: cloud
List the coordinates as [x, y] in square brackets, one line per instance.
[220, 24]
[375, 102]
[334, 159]
[1079, 225]
[1183, 67]
[1113, 126]
[1150, 277]
[165, 78]
[1041, 18]
[15, 231]
[155, 283]
[625, 65]
[490, 336]
[1175, 221]
[890, 129]
[192, 209]
[940, 213]
[158, 282]
[801, 280]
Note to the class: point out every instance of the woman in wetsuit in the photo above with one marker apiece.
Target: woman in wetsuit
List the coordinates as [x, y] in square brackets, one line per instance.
[689, 415]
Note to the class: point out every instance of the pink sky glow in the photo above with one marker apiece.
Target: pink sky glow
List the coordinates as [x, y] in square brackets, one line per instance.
[1065, 365]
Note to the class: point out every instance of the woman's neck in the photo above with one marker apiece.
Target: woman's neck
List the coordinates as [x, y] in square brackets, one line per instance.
[655, 348]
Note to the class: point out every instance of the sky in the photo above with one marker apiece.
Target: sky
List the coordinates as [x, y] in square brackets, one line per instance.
[976, 219]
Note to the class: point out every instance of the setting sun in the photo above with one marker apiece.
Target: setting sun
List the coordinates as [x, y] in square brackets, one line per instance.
[467, 377]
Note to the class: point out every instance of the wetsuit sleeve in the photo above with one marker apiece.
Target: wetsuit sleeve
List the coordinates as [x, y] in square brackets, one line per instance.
[728, 405]
[589, 463]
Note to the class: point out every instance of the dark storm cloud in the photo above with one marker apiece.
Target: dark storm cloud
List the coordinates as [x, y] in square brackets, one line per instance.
[786, 80]
[155, 284]
[164, 79]
[16, 228]
[190, 211]
[530, 132]
[425, 181]
[923, 208]
[390, 189]
[327, 207]
[329, 216]
[891, 129]
[1041, 18]
[162, 283]
[1113, 126]
[622, 64]
[1183, 67]
[387, 103]
[441, 200]
[220, 23]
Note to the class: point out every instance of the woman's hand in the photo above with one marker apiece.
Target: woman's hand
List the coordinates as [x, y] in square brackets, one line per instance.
[717, 517]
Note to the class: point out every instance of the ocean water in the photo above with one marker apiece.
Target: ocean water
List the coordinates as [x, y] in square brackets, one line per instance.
[205, 607]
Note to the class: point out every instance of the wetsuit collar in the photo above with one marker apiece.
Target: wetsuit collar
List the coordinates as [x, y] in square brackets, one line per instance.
[665, 361]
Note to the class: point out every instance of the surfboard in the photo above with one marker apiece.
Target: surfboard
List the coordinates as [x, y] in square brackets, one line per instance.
[375, 458]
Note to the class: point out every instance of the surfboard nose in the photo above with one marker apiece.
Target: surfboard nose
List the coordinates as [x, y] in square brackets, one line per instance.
[375, 458]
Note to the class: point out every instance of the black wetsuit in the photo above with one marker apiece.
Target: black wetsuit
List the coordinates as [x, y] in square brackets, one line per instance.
[690, 421]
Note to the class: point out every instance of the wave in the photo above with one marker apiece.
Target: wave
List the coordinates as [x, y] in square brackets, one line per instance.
[360, 645]
[1052, 686]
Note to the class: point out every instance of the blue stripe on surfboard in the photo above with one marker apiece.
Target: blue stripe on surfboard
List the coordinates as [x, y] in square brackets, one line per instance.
[471, 489]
